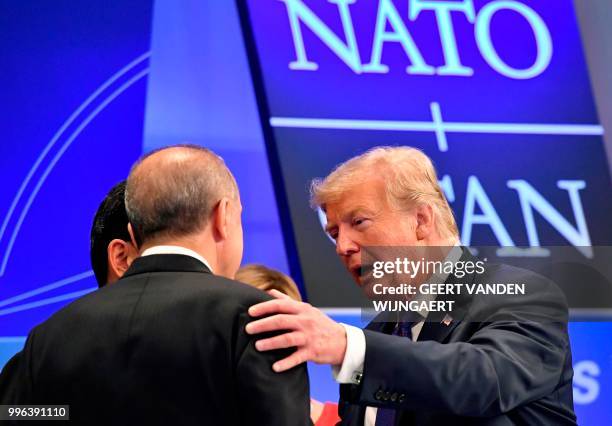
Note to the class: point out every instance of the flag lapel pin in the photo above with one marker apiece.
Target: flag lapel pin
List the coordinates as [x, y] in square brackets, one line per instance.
[447, 320]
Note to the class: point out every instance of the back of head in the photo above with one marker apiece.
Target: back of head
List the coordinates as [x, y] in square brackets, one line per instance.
[409, 177]
[264, 278]
[172, 192]
[110, 222]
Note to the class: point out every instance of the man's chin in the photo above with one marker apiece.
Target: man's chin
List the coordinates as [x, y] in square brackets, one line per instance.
[358, 280]
[364, 282]
[367, 288]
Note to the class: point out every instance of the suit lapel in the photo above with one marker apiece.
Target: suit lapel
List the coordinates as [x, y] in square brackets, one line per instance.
[439, 325]
[437, 331]
[382, 323]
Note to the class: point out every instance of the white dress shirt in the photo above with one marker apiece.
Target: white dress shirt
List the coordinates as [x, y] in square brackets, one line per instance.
[354, 357]
[176, 250]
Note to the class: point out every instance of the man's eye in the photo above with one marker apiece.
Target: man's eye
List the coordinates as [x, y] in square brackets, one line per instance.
[333, 235]
[359, 221]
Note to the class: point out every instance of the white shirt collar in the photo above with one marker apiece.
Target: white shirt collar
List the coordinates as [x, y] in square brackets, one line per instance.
[176, 250]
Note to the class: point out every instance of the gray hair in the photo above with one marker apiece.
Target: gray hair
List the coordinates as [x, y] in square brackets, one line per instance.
[173, 191]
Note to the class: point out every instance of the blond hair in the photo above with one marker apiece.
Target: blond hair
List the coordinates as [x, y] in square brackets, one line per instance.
[409, 176]
[265, 279]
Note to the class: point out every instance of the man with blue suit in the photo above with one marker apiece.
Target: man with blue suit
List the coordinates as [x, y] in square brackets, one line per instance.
[493, 360]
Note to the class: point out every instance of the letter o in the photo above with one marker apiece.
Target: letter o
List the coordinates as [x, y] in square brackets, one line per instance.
[540, 31]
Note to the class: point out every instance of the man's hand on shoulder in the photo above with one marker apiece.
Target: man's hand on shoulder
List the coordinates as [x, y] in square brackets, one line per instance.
[317, 337]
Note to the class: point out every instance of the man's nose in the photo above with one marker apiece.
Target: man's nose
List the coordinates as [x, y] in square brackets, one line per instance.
[345, 246]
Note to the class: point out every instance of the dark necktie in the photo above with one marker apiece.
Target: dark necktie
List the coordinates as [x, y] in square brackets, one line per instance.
[386, 416]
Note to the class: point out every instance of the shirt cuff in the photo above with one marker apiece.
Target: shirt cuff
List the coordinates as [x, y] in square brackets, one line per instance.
[352, 366]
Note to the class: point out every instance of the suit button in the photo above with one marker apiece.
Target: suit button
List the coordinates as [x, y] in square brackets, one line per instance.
[387, 396]
[401, 398]
[394, 397]
[379, 394]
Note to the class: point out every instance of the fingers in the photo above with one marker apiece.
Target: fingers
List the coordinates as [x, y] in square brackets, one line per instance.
[273, 323]
[278, 294]
[291, 361]
[276, 306]
[287, 340]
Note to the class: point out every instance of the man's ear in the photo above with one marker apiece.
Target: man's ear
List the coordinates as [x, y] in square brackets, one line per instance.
[424, 221]
[118, 253]
[220, 219]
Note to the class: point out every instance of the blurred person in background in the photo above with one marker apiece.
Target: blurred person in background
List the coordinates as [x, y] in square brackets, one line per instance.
[266, 279]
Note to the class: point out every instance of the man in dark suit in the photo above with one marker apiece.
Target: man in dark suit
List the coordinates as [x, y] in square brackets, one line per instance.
[166, 343]
[492, 360]
[488, 360]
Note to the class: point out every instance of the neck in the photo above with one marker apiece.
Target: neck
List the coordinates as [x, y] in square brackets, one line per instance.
[201, 246]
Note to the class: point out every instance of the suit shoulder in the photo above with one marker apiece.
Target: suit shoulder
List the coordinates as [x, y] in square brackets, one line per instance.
[185, 288]
[204, 290]
[190, 295]
[508, 274]
[241, 291]
[518, 289]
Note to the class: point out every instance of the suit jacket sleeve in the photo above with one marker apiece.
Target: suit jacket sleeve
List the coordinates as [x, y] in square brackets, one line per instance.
[515, 357]
[270, 398]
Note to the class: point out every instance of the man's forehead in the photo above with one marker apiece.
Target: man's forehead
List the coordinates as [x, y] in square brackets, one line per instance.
[366, 194]
[349, 208]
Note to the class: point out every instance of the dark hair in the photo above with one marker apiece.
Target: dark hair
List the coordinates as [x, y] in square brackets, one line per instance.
[110, 222]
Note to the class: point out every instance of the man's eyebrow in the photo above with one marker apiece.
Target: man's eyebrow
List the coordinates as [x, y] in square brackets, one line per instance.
[359, 209]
